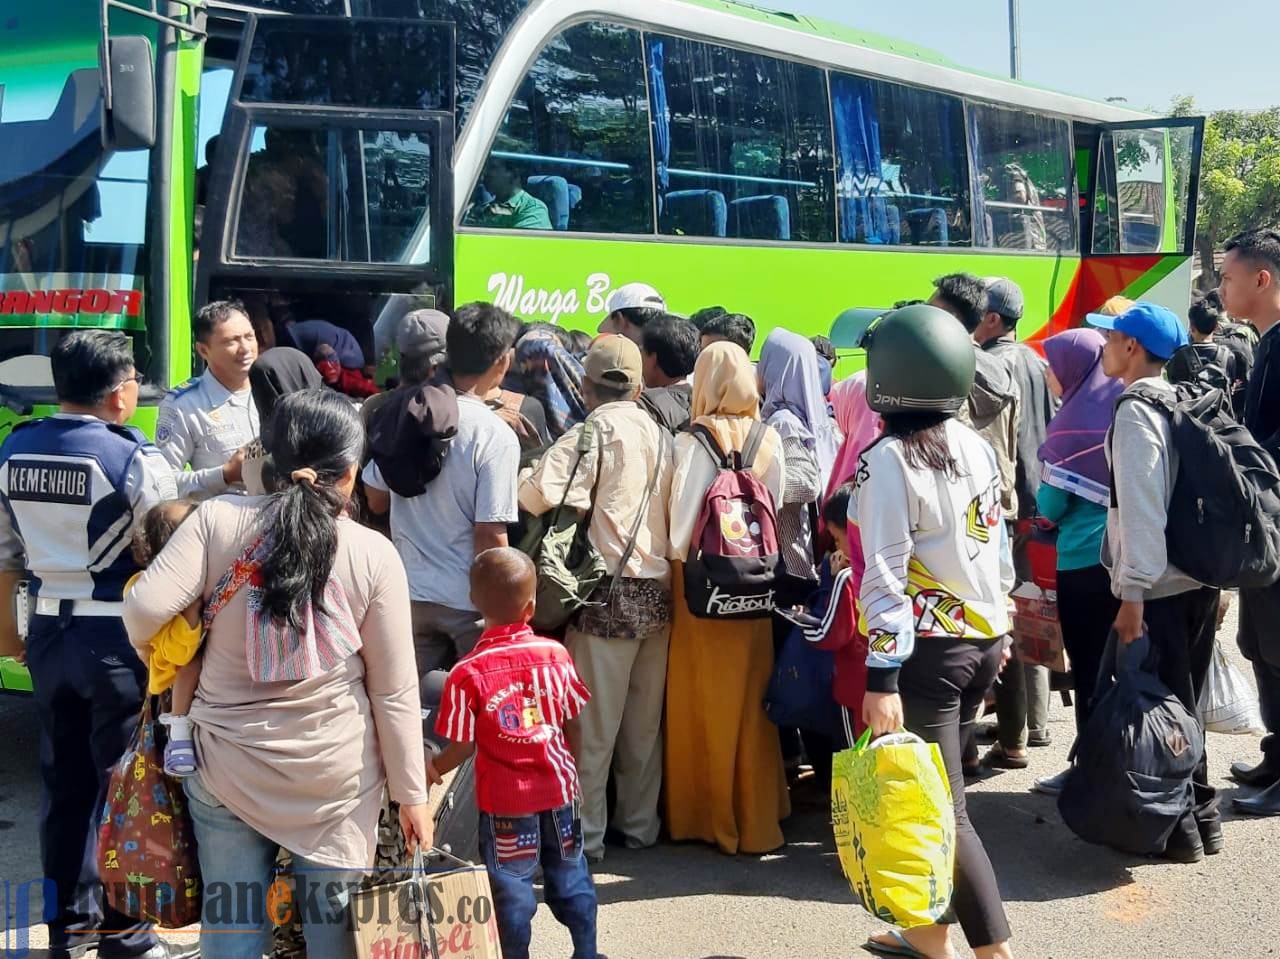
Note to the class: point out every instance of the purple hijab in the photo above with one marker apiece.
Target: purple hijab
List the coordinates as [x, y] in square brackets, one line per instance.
[1074, 446]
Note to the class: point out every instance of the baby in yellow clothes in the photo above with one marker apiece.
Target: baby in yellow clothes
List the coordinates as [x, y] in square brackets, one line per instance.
[173, 661]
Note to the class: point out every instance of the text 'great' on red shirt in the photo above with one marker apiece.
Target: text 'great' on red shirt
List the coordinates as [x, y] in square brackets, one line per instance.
[511, 696]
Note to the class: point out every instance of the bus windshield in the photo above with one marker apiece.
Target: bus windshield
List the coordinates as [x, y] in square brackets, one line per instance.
[73, 226]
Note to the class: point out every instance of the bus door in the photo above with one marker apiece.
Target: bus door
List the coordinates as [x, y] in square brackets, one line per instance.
[1140, 184]
[331, 192]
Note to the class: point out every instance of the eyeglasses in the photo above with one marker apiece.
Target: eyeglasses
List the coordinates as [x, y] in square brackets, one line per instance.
[136, 378]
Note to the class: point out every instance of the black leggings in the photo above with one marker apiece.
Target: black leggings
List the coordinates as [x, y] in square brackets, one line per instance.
[942, 685]
[1087, 610]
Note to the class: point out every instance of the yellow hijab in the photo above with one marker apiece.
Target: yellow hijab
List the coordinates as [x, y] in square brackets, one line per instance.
[726, 400]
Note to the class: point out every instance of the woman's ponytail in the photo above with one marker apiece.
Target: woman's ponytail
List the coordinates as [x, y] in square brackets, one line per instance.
[314, 438]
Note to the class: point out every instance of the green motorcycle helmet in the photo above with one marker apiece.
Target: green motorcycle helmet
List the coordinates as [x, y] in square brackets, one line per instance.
[919, 360]
[850, 327]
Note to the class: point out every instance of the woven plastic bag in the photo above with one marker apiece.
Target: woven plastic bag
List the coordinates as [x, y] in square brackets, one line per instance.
[146, 845]
[1228, 703]
[895, 828]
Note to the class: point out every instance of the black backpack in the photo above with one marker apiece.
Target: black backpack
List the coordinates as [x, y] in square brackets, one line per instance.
[1130, 783]
[1239, 335]
[410, 435]
[1223, 524]
[1208, 365]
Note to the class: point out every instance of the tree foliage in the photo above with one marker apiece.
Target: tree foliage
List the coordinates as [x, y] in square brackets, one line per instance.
[1239, 176]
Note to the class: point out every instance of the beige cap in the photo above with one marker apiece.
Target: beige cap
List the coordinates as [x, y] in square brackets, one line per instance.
[614, 361]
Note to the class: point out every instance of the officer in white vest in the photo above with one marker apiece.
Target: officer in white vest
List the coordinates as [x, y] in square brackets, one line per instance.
[73, 486]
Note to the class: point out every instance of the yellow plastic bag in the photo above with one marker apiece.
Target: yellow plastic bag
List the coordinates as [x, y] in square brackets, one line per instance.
[895, 829]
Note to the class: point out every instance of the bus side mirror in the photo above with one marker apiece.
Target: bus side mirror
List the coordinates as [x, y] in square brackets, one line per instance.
[129, 95]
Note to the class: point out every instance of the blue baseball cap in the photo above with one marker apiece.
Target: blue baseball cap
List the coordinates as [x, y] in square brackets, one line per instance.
[1157, 329]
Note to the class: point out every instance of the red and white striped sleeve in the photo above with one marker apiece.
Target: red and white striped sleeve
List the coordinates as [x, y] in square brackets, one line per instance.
[457, 718]
[575, 694]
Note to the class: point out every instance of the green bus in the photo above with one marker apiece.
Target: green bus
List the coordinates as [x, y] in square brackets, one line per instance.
[354, 159]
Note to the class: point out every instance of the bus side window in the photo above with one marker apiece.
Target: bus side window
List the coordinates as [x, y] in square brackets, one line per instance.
[742, 143]
[902, 174]
[573, 151]
[1026, 199]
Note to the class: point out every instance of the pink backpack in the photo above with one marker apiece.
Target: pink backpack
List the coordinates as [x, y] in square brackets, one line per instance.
[734, 565]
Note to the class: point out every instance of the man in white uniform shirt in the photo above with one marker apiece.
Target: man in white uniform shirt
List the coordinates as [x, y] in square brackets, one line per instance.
[207, 421]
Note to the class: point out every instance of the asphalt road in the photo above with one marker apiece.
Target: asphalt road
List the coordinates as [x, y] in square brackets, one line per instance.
[1065, 899]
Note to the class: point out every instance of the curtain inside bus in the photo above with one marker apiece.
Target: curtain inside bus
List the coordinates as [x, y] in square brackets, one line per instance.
[858, 153]
[661, 120]
[902, 173]
[744, 141]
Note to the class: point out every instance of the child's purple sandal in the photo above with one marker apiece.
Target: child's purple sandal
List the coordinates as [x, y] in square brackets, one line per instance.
[180, 758]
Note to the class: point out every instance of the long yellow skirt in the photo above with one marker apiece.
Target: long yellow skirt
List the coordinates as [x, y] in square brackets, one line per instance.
[724, 778]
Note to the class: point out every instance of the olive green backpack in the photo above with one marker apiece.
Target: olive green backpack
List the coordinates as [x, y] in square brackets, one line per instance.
[569, 567]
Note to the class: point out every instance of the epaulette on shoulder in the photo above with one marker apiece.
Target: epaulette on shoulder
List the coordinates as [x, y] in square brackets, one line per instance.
[185, 387]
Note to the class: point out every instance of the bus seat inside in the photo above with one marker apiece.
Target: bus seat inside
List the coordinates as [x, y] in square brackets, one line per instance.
[695, 213]
[873, 220]
[1059, 229]
[761, 218]
[1140, 237]
[558, 194]
[893, 223]
[928, 226]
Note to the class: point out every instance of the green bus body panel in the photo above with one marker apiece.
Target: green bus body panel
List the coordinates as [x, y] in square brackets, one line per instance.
[182, 177]
[14, 677]
[561, 279]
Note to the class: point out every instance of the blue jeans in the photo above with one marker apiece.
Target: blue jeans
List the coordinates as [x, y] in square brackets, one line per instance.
[553, 838]
[237, 865]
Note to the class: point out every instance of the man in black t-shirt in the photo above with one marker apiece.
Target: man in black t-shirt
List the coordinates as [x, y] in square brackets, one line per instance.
[669, 348]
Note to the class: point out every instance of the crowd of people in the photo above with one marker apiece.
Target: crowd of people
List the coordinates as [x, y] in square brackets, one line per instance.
[305, 563]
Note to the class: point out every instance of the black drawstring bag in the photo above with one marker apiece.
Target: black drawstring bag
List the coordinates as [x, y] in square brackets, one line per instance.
[1131, 779]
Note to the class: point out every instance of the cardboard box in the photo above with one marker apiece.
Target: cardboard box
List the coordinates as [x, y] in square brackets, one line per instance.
[431, 915]
[1037, 634]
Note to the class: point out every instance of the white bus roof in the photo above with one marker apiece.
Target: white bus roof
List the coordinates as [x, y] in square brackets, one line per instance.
[741, 25]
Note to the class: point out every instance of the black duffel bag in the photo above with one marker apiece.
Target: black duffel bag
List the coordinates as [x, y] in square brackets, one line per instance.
[1130, 783]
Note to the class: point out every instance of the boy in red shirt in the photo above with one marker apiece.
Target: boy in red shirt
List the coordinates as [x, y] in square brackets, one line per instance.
[514, 701]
